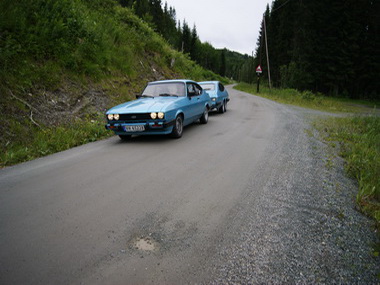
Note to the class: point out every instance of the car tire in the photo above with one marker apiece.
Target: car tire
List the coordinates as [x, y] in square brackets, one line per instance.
[204, 117]
[125, 137]
[222, 108]
[225, 106]
[178, 127]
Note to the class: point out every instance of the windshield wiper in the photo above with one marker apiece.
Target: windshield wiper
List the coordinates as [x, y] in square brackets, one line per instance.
[168, 95]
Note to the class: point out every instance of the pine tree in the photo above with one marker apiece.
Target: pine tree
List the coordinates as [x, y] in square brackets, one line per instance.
[186, 37]
[324, 46]
[193, 43]
[222, 71]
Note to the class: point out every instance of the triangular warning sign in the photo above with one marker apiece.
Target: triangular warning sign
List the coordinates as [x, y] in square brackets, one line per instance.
[258, 69]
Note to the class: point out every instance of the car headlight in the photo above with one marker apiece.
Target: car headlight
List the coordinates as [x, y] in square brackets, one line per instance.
[116, 117]
[110, 117]
[153, 115]
[213, 99]
[161, 115]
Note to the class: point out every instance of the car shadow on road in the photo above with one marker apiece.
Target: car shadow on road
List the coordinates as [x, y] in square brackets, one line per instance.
[156, 139]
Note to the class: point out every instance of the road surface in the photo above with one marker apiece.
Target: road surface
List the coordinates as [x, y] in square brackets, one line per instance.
[247, 198]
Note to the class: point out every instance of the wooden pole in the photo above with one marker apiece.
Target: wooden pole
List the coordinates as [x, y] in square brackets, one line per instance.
[266, 47]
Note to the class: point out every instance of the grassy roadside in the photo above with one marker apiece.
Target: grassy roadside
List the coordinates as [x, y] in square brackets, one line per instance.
[50, 140]
[357, 135]
[359, 140]
[310, 100]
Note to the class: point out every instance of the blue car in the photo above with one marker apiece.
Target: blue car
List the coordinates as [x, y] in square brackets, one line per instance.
[164, 107]
[218, 93]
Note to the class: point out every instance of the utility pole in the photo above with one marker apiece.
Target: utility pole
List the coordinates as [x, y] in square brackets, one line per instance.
[253, 66]
[266, 47]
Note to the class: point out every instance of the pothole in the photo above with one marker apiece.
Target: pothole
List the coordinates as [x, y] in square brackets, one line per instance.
[146, 244]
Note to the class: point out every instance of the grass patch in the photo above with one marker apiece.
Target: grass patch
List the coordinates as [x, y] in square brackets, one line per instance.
[359, 139]
[50, 140]
[307, 99]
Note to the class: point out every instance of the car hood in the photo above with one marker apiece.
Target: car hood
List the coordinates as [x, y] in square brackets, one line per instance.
[144, 105]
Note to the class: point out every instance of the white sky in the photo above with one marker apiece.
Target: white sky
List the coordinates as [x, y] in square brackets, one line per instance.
[234, 25]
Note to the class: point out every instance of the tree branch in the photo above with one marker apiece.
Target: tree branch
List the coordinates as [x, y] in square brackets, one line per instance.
[29, 106]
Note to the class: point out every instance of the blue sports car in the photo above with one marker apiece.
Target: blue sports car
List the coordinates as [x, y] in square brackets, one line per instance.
[164, 107]
[218, 93]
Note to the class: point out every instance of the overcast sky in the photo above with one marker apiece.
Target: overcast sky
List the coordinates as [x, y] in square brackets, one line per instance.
[233, 24]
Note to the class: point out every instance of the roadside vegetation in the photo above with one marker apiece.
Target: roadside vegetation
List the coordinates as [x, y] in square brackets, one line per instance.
[52, 140]
[358, 136]
[359, 145]
[344, 60]
[308, 99]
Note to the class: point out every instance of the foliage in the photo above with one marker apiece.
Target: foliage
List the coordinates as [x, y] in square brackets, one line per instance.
[41, 142]
[359, 138]
[185, 39]
[323, 46]
[74, 37]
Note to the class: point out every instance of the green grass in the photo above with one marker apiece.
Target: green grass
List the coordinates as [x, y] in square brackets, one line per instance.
[308, 99]
[41, 142]
[97, 39]
[359, 140]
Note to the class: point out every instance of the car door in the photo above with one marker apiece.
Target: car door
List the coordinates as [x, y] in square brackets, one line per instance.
[200, 102]
[222, 91]
[193, 102]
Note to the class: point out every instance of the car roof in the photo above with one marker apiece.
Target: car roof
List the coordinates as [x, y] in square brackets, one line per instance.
[209, 82]
[173, 81]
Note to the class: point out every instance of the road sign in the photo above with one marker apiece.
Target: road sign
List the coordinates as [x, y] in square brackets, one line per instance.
[258, 69]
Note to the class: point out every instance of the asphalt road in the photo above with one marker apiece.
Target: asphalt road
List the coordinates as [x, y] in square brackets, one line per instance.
[246, 198]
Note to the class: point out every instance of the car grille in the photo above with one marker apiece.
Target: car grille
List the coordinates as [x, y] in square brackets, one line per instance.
[134, 117]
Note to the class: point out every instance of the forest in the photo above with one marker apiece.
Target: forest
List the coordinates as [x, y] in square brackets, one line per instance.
[184, 38]
[331, 47]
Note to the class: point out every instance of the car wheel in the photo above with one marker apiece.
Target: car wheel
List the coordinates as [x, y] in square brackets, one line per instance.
[125, 137]
[222, 108]
[225, 106]
[204, 118]
[177, 128]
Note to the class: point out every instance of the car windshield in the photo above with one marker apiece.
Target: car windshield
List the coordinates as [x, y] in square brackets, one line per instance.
[208, 87]
[166, 89]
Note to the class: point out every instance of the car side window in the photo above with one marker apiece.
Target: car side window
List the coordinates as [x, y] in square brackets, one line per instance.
[221, 87]
[190, 90]
[198, 89]
[193, 89]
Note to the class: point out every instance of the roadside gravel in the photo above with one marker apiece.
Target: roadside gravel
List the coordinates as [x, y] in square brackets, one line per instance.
[297, 223]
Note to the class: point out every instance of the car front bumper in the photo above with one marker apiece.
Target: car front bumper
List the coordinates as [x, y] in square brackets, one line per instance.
[150, 128]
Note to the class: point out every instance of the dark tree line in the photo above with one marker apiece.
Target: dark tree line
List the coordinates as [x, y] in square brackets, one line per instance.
[325, 46]
[185, 38]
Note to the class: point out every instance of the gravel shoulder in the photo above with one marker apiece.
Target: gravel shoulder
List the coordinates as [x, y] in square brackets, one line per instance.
[297, 222]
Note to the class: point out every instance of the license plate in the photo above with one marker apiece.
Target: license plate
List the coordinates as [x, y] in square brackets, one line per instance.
[137, 128]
